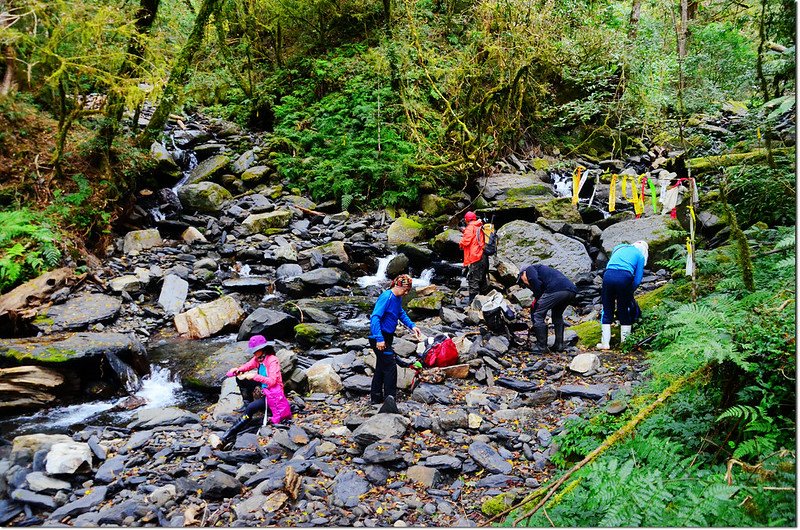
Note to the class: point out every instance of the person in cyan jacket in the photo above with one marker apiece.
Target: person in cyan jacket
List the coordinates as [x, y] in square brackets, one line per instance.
[623, 275]
[552, 292]
[261, 384]
[388, 312]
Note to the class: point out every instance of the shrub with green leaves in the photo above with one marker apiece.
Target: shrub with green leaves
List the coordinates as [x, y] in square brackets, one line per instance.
[27, 246]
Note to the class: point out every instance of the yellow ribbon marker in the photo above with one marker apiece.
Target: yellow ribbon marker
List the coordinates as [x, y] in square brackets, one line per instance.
[638, 206]
[612, 194]
[624, 186]
[576, 183]
[691, 212]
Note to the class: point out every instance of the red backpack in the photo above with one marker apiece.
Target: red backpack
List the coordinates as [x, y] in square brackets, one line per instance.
[441, 354]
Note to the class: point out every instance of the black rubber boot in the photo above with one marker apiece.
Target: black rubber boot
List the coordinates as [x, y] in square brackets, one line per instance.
[558, 345]
[541, 340]
[237, 427]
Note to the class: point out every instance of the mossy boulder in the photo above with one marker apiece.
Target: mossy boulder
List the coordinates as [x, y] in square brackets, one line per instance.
[301, 202]
[207, 197]
[560, 209]
[334, 249]
[445, 244]
[521, 242]
[404, 230]
[314, 333]
[659, 231]
[427, 305]
[57, 349]
[255, 174]
[497, 504]
[138, 240]
[434, 205]
[259, 223]
[208, 169]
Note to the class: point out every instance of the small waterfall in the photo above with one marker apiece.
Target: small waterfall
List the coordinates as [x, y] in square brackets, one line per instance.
[160, 388]
[380, 278]
[191, 163]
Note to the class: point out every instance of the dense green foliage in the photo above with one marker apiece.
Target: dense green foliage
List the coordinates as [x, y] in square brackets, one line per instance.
[720, 453]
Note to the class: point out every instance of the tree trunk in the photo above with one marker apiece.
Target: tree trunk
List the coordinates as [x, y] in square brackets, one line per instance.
[633, 21]
[762, 79]
[10, 75]
[115, 106]
[180, 73]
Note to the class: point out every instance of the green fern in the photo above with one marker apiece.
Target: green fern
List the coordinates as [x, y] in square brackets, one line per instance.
[27, 246]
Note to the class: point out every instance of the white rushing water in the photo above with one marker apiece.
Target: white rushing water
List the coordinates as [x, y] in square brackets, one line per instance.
[160, 388]
[380, 278]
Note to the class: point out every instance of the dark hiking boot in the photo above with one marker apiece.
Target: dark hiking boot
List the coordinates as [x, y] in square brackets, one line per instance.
[235, 429]
[558, 345]
[540, 332]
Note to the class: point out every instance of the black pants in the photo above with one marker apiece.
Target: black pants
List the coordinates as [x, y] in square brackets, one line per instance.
[476, 276]
[617, 291]
[557, 302]
[384, 381]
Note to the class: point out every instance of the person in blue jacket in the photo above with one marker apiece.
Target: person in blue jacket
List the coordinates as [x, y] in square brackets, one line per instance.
[623, 275]
[385, 316]
[553, 292]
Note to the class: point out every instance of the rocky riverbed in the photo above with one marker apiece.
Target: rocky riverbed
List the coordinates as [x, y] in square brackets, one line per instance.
[231, 251]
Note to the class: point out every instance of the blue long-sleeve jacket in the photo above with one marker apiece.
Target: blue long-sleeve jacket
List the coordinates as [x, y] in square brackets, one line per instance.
[385, 315]
[627, 258]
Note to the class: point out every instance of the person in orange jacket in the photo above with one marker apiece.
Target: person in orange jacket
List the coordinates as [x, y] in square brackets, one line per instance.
[475, 260]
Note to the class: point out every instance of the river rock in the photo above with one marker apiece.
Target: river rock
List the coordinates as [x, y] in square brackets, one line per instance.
[334, 249]
[522, 242]
[110, 470]
[210, 318]
[584, 391]
[173, 294]
[380, 427]
[127, 283]
[55, 349]
[245, 161]
[263, 222]
[515, 190]
[207, 197]
[427, 476]
[347, 487]
[208, 169]
[452, 419]
[488, 458]
[654, 229]
[26, 445]
[78, 313]
[68, 458]
[88, 499]
[8, 511]
[25, 387]
[446, 245]
[139, 240]
[157, 417]
[36, 499]
[165, 163]
[255, 174]
[323, 277]
[404, 230]
[323, 378]
[585, 363]
[219, 485]
[39, 482]
[207, 371]
[268, 322]
[192, 235]
[383, 451]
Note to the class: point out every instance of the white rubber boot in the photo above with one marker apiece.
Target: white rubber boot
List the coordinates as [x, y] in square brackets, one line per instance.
[624, 331]
[605, 338]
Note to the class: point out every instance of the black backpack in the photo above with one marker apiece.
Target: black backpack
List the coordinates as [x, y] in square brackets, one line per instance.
[489, 239]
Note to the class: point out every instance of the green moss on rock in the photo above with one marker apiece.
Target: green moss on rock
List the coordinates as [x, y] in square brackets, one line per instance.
[497, 504]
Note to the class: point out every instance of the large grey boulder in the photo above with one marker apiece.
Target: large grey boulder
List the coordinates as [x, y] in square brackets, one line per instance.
[208, 169]
[168, 416]
[379, 427]
[323, 277]
[208, 371]
[207, 319]
[263, 222]
[67, 458]
[488, 458]
[348, 486]
[446, 243]
[56, 349]
[334, 249]
[404, 230]
[268, 322]
[139, 240]
[655, 230]
[255, 174]
[521, 242]
[207, 197]
[173, 294]
[165, 163]
[244, 162]
[30, 444]
[323, 378]
[78, 313]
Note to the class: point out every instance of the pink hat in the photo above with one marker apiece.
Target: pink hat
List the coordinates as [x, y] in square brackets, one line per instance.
[258, 342]
[470, 216]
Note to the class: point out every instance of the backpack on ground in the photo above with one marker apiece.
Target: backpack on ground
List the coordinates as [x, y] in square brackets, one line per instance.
[441, 352]
[489, 239]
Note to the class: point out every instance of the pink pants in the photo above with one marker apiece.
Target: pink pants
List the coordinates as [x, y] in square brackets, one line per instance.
[278, 404]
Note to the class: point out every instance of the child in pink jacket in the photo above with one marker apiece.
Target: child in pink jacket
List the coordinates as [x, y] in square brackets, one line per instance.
[268, 374]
